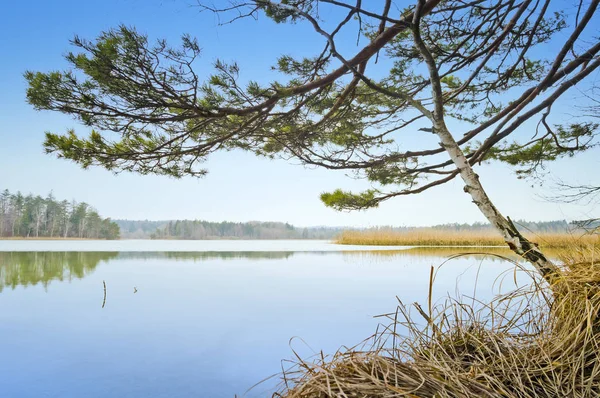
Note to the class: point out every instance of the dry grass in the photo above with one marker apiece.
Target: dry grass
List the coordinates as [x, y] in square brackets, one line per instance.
[431, 237]
[538, 341]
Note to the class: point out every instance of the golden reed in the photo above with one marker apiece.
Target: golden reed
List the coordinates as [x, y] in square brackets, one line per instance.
[431, 237]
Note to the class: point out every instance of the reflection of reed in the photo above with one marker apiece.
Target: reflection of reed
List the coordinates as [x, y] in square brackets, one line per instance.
[453, 251]
[31, 268]
[492, 254]
[438, 253]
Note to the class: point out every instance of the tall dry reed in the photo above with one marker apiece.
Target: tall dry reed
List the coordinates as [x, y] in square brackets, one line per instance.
[431, 237]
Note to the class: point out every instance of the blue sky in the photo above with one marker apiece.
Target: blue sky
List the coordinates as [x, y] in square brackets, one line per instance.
[239, 187]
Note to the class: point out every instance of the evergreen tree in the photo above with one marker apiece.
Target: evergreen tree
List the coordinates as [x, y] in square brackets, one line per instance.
[34, 216]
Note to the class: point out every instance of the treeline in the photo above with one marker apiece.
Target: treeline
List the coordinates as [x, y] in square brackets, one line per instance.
[198, 229]
[35, 216]
[550, 227]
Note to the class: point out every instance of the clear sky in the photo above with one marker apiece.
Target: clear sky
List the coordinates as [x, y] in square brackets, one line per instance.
[34, 36]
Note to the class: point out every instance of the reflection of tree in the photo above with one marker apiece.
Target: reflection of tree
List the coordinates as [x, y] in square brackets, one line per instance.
[210, 255]
[31, 268]
[490, 253]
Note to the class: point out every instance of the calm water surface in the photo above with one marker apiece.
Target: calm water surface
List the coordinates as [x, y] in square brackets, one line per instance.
[209, 318]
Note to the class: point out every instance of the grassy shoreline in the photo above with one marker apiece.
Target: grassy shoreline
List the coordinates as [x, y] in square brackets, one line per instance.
[440, 238]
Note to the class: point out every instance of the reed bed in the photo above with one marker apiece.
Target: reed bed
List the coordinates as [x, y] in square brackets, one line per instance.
[431, 237]
[540, 340]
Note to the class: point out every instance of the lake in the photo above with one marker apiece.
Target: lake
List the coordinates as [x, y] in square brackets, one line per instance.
[200, 318]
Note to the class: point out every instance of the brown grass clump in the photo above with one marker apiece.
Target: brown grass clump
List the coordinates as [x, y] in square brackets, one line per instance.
[432, 237]
[539, 341]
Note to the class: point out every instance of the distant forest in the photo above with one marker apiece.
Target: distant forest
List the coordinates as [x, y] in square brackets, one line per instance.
[35, 216]
[557, 226]
[197, 229]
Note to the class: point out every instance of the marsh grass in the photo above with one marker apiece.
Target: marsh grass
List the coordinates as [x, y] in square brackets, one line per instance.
[432, 237]
[538, 340]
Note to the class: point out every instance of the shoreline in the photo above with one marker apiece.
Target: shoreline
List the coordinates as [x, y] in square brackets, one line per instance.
[46, 238]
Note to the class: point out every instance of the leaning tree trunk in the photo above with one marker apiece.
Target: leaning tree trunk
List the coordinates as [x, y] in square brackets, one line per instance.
[517, 242]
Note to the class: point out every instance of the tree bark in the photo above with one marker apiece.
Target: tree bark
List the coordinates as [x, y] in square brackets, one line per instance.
[513, 238]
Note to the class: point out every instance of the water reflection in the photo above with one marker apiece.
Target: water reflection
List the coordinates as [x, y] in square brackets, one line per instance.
[207, 255]
[31, 268]
[437, 253]
[202, 324]
[493, 253]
